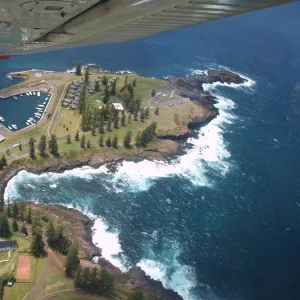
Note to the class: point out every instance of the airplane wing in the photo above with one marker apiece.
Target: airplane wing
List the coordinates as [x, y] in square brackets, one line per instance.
[35, 26]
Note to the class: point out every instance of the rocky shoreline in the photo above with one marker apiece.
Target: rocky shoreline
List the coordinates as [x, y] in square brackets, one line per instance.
[167, 145]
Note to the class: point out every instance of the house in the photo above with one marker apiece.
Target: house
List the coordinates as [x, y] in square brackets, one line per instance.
[8, 245]
[2, 138]
[118, 106]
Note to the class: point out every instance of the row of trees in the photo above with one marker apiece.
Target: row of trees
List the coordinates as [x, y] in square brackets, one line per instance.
[42, 146]
[97, 281]
[19, 212]
[5, 230]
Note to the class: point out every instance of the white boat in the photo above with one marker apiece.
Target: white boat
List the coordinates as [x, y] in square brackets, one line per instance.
[21, 95]
[33, 93]
[27, 123]
[9, 127]
[38, 117]
[27, 94]
[39, 94]
[1, 119]
[30, 93]
[15, 97]
[41, 105]
[14, 126]
[44, 103]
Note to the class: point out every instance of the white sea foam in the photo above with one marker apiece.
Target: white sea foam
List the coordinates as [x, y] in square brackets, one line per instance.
[108, 241]
[173, 275]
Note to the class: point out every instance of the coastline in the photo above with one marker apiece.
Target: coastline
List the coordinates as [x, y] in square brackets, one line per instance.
[165, 148]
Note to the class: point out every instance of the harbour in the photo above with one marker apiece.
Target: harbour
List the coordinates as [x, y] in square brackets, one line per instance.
[19, 111]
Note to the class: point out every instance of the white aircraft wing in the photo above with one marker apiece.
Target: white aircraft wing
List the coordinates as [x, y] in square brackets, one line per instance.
[35, 26]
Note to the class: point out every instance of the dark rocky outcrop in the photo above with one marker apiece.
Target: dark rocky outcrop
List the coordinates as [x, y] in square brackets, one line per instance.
[192, 87]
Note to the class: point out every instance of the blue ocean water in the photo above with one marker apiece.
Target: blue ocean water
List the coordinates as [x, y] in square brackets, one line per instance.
[222, 220]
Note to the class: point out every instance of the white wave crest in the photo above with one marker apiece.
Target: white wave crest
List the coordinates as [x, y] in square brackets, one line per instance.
[173, 275]
[108, 241]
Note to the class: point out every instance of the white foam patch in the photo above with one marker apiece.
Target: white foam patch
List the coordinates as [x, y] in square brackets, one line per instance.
[108, 241]
[174, 276]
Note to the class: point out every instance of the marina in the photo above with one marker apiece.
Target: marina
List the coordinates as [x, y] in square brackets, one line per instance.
[26, 111]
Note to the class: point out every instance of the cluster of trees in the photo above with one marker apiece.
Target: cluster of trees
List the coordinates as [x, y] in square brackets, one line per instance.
[19, 212]
[78, 71]
[97, 281]
[146, 136]
[42, 146]
[3, 162]
[37, 243]
[56, 239]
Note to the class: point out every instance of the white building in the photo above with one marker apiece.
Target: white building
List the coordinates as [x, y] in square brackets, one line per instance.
[118, 106]
[2, 138]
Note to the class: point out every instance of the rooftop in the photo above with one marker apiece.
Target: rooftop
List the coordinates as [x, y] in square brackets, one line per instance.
[7, 244]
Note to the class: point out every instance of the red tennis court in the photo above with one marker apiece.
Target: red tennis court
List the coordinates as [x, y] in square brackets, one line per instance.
[23, 271]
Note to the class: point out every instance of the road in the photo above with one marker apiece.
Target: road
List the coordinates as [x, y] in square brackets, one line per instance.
[55, 117]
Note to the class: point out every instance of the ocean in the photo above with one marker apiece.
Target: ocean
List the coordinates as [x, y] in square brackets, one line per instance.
[222, 220]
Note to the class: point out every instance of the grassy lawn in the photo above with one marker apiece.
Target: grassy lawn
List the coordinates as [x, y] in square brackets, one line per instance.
[18, 291]
[3, 255]
[69, 119]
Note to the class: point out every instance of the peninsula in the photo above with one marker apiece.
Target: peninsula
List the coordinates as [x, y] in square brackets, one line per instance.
[92, 117]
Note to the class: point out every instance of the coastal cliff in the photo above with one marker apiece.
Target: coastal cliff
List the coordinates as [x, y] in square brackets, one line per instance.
[198, 110]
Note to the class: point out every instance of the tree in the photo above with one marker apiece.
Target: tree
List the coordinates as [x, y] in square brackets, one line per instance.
[72, 260]
[101, 127]
[116, 122]
[107, 282]
[7, 152]
[31, 148]
[142, 116]
[28, 216]
[115, 142]
[51, 235]
[113, 88]
[42, 146]
[37, 243]
[77, 136]
[138, 139]
[78, 68]
[94, 129]
[24, 230]
[108, 142]
[78, 280]
[147, 112]
[22, 210]
[109, 125]
[129, 119]
[97, 86]
[68, 139]
[15, 211]
[153, 93]
[127, 139]
[36, 223]
[4, 227]
[82, 141]
[104, 80]
[3, 161]
[20, 146]
[106, 95]
[123, 120]
[88, 144]
[101, 141]
[134, 82]
[53, 146]
[86, 75]
[157, 111]
[86, 278]
[15, 226]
